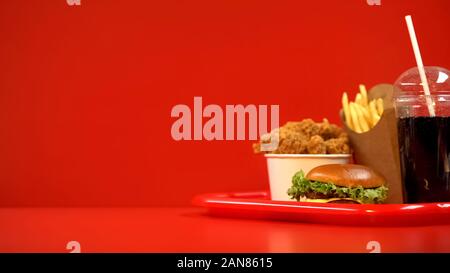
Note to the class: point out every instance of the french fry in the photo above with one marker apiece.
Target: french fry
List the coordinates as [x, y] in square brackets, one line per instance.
[365, 112]
[373, 108]
[374, 112]
[354, 116]
[362, 114]
[346, 109]
[358, 99]
[362, 120]
[380, 107]
[365, 100]
[376, 119]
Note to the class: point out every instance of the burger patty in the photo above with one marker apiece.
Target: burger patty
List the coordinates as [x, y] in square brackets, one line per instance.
[318, 195]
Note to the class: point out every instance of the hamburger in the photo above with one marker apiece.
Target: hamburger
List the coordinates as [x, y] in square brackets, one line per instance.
[339, 183]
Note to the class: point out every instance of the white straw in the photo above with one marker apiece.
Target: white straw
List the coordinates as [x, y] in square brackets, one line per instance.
[423, 77]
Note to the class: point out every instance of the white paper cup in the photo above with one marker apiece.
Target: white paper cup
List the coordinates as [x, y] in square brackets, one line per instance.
[282, 167]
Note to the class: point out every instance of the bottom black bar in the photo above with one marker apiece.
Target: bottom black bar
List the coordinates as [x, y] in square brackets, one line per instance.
[245, 262]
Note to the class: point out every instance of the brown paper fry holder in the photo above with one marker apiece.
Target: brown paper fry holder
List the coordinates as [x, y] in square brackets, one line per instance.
[378, 147]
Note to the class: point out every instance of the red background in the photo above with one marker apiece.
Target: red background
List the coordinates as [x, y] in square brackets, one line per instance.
[86, 91]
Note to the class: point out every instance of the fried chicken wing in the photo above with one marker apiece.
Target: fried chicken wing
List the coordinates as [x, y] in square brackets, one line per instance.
[316, 145]
[337, 146]
[307, 137]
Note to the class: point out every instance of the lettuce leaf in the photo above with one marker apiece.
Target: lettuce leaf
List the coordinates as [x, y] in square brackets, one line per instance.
[301, 185]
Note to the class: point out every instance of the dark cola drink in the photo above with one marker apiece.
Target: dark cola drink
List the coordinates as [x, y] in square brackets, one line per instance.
[424, 144]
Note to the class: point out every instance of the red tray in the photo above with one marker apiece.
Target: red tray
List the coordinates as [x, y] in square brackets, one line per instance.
[257, 205]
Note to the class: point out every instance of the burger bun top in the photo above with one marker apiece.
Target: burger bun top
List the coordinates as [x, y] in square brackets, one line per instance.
[347, 175]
